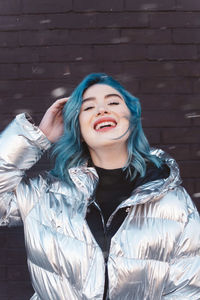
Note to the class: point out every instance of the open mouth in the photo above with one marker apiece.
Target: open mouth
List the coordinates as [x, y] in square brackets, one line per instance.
[105, 125]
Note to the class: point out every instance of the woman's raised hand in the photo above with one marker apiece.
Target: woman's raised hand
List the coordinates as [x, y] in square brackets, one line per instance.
[52, 122]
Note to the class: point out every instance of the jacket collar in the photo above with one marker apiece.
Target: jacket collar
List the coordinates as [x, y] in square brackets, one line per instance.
[85, 179]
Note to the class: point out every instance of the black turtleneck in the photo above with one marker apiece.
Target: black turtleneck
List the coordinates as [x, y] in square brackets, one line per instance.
[113, 188]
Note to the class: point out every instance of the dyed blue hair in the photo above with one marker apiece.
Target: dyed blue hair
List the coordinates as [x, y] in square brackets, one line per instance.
[69, 151]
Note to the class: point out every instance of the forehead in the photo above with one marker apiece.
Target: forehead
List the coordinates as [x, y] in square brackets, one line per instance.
[101, 90]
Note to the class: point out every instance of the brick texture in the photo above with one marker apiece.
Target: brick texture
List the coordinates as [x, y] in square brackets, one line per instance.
[186, 36]
[167, 85]
[145, 5]
[10, 7]
[151, 47]
[146, 36]
[96, 5]
[193, 5]
[46, 6]
[175, 19]
[172, 52]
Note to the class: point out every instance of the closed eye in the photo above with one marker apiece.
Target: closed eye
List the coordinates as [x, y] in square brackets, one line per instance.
[113, 103]
[88, 108]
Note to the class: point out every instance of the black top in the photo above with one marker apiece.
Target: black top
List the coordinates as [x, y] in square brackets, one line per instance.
[113, 188]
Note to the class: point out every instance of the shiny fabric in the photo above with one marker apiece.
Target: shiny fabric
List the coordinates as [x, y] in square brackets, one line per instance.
[155, 254]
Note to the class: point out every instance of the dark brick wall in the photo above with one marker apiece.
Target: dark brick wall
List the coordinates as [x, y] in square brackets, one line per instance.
[152, 47]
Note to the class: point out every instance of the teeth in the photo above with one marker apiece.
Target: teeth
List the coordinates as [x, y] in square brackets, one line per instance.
[98, 126]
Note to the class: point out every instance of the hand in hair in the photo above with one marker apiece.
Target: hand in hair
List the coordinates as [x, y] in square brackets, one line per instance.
[52, 122]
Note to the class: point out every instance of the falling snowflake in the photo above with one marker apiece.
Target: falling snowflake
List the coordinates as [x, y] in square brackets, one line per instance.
[37, 70]
[45, 21]
[67, 71]
[59, 92]
[172, 147]
[192, 115]
[79, 58]
[196, 195]
[124, 39]
[161, 85]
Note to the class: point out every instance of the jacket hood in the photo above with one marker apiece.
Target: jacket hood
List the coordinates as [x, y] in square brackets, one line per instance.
[153, 190]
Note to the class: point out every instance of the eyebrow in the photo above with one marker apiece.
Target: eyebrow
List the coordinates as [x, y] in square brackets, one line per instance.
[106, 96]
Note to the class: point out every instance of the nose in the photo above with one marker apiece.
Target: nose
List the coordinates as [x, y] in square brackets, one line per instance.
[102, 109]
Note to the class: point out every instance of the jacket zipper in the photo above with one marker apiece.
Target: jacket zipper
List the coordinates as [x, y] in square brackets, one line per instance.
[105, 254]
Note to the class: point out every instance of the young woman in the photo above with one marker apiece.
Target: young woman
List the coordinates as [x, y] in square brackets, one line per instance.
[111, 220]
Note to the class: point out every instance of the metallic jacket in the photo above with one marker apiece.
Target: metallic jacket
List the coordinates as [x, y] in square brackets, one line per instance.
[155, 254]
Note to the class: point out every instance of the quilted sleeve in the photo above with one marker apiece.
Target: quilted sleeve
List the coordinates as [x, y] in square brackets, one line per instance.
[21, 146]
[184, 273]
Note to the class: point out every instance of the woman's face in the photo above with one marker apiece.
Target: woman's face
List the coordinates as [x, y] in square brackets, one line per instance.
[104, 117]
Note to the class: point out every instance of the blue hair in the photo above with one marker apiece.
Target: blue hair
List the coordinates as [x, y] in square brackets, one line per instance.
[70, 152]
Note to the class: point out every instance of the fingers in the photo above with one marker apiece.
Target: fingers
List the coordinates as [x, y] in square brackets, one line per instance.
[61, 101]
[59, 104]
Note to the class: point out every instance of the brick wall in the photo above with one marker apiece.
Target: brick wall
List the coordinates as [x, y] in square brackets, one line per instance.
[151, 47]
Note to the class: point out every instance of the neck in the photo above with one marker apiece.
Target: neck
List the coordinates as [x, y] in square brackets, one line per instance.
[110, 157]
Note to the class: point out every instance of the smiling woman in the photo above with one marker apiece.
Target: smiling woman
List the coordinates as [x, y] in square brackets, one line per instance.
[111, 221]
[94, 98]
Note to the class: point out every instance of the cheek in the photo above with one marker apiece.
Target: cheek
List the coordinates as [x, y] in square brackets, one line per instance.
[125, 113]
[123, 110]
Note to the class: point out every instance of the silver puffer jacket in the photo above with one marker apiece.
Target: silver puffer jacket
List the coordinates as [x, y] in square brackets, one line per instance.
[155, 254]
